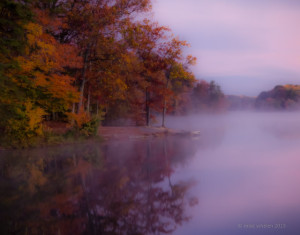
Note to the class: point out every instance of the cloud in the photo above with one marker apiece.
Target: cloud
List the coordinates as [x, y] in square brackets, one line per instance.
[238, 38]
[222, 39]
[265, 3]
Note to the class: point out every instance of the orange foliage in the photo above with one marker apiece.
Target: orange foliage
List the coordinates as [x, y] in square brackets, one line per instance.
[44, 62]
[78, 118]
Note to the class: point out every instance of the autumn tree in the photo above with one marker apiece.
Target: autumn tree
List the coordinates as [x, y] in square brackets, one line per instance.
[177, 73]
[70, 58]
[145, 39]
[95, 27]
[38, 83]
[14, 121]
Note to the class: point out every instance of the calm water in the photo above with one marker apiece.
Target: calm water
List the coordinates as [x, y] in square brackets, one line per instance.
[240, 177]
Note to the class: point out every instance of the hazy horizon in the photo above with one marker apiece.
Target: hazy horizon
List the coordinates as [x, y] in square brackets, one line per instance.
[245, 46]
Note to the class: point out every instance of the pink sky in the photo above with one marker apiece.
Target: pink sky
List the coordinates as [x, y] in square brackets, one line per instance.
[245, 46]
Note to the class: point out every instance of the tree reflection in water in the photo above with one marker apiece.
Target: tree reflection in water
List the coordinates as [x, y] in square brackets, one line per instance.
[113, 188]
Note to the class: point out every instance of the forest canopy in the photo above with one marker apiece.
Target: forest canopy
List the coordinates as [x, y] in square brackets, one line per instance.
[73, 60]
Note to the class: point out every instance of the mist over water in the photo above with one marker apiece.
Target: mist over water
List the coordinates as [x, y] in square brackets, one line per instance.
[240, 176]
[247, 173]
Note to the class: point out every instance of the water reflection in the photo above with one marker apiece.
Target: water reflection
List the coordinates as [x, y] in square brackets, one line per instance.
[249, 181]
[116, 188]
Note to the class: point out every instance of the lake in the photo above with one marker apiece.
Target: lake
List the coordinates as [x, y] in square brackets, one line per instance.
[240, 176]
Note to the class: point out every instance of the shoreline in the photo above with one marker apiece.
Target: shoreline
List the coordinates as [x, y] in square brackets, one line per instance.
[107, 133]
[140, 132]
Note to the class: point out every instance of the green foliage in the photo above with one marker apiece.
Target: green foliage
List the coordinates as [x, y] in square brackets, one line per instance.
[25, 126]
[90, 128]
[51, 138]
[14, 15]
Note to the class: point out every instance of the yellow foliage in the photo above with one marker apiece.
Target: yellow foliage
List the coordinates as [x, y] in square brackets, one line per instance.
[39, 51]
[35, 118]
[33, 32]
[292, 87]
[28, 124]
[57, 87]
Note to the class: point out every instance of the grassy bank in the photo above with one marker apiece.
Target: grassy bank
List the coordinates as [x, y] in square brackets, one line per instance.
[60, 134]
[52, 133]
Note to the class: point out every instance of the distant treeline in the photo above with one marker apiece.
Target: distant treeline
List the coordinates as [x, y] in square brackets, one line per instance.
[206, 97]
[285, 97]
[281, 97]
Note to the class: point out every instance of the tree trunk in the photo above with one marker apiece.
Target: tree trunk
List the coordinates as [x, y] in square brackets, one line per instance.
[164, 113]
[85, 64]
[97, 108]
[147, 108]
[88, 102]
[73, 112]
[164, 107]
[175, 108]
[73, 108]
[81, 96]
